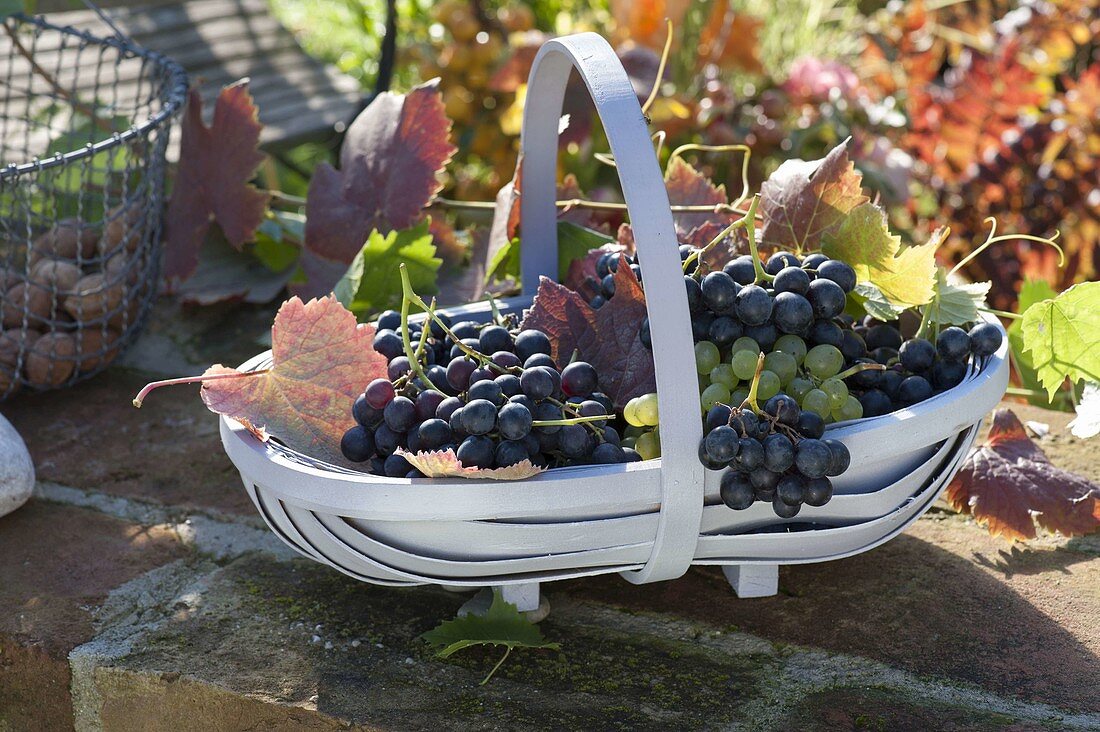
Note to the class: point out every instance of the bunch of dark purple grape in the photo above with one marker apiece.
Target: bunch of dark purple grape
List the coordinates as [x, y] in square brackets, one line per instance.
[778, 456]
[492, 394]
[916, 368]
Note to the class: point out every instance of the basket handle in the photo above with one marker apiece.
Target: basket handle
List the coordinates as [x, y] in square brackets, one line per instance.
[655, 236]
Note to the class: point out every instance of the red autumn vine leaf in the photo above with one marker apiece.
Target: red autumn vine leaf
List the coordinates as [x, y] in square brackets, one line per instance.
[212, 181]
[1010, 485]
[320, 361]
[805, 199]
[606, 338]
[445, 464]
[389, 163]
[688, 187]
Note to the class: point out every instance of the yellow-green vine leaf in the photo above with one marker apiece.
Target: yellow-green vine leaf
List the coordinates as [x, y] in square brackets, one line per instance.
[1062, 336]
[956, 303]
[371, 283]
[904, 275]
[1031, 292]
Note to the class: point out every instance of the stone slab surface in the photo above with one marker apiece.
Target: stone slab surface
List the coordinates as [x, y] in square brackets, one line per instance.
[56, 564]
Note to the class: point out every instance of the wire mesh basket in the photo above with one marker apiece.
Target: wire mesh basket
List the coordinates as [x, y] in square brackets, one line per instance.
[84, 126]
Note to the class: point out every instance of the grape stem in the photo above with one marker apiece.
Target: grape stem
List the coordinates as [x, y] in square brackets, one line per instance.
[660, 70]
[745, 221]
[201, 379]
[1002, 313]
[407, 298]
[858, 368]
[679, 151]
[750, 400]
[569, 421]
[991, 240]
[753, 251]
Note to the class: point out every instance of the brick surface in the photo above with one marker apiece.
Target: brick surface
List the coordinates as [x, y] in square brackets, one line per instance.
[57, 563]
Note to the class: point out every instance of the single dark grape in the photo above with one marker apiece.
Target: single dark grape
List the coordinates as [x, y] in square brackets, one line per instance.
[603, 265]
[723, 331]
[694, 294]
[826, 332]
[524, 400]
[396, 466]
[827, 298]
[506, 359]
[514, 421]
[494, 338]
[875, 403]
[765, 335]
[764, 480]
[890, 382]
[745, 422]
[476, 451]
[456, 352]
[400, 414]
[436, 327]
[865, 379]
[741, 270]
[397, 368]
[883, 335]
[610, 434]
[479, 416]
[686, 250]
[465, 329]
[412, 440]
[700, 325]
[717, 415]
[839, 457]
[631, 455]
[810, 424]
[487, 390]
[789, 490]
[458, 373]
[754, 305]
[364, 413]
[736, 490]
[388, 320]
[607, 286]
[447, 407]
[722, 444]
[817, 491]
[573, 440]
[784, 409]
[917, 354]
[608, 454]
[509, 385]
[779, 260]
[597, 302]
[538, 383]
[379, 393]
[644, 335]
[387, 440]
[705, 458]
[985, 339]
[529, 342]
[784, 510]
[509, 453]
[540, 359]
[953, 344]
[719, 292]
[914, 389]
[813, 261]
[457, 425]
[778, 453]
[389, 344]
[579, 379]
[434, 433]
[792, 312]
[948, 374]
[792, 279]
[884, 355]
[593, 408]
[750, 454]
[357, 444]
[812, 458]
[852, 346]
[427, 402]
[839, 272]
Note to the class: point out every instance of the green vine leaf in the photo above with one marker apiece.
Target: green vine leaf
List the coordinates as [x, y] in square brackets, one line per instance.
[956, 303]
[1031, 292]
[502, 625]
[574, 242]
[904, 275]
[1062, 336]
[370, 283]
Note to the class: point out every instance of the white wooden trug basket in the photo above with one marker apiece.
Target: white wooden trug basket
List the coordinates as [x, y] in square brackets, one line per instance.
[648, 521]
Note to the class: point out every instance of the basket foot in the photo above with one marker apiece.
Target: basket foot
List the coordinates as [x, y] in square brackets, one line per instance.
[526, 598]
[753, 580]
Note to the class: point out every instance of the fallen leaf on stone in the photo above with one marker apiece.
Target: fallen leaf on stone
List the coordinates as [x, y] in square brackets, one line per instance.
[321, 360]
[607, 338]
[212, 180]
[1009, 485]
[804, 200]
[445, 464]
